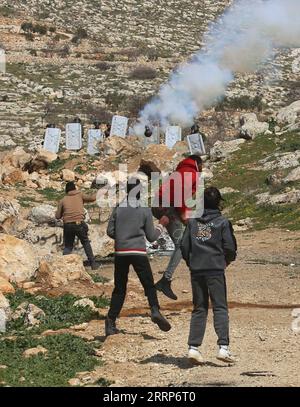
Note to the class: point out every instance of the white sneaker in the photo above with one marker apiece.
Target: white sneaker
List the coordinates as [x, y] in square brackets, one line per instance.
[195, 356]
[225, 356]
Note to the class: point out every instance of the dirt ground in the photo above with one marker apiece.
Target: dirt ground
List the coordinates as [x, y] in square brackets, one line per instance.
[263, 289]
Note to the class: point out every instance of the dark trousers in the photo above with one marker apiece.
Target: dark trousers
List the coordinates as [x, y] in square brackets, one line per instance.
[71, 230]
[143, 270]
[204, 288]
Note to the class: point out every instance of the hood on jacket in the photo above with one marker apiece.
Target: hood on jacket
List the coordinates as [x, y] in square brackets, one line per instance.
[74, 192]
[188, 164]
[209, 215]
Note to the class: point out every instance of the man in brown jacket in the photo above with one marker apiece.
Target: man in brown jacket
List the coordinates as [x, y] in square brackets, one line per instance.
[71, 209]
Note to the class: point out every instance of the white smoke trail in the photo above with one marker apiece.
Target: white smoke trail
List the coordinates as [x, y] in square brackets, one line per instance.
[242, 38]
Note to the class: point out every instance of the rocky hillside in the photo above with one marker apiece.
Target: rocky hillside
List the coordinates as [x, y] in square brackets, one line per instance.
[95, 59]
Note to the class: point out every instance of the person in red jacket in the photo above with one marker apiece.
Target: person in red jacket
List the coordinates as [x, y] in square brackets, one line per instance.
[173, 195]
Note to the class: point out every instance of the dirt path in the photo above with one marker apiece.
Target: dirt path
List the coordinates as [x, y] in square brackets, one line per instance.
[263, 290]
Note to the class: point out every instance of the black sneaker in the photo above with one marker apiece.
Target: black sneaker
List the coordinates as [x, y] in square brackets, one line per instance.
[164, 286]
[159, 319]
[110, 327]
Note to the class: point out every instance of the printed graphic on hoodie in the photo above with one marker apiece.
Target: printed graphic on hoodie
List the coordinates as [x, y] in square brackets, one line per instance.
[204, 231]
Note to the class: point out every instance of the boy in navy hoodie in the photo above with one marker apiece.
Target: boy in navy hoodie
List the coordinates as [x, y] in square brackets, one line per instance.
[208, 246]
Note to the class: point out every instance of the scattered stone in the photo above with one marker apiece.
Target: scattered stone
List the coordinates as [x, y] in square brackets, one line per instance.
[68, 175]
[85, 302]
[228, 190]
[31, 314]
[39, 350]
[9, 211]
[6, 287]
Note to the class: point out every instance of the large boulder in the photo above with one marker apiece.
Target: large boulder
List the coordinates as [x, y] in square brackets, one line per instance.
[17, 158]
[18, 260]
[61, 270]
[289, 115]
[46, 156]
[42, 214]
[122, 147]
[159, 158]
[223, 149]
[9, 211]
[251, 127]
[14, 177]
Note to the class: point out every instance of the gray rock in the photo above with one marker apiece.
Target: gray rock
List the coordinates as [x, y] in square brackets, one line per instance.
[289, 115]
[293, 176]
[278, 199]
[251, 127]
[42, 214]
[31, 314]
[222, 149]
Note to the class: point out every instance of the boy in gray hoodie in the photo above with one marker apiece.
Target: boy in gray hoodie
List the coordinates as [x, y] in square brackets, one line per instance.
[128, 225]
[208, 246]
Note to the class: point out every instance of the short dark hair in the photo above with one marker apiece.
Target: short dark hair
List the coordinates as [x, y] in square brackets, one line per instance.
[212, 198]
[196, 158]
[70, 186]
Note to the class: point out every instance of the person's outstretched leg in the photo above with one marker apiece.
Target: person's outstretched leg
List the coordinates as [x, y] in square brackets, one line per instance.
[142, 268]
[122, 264]
[82, 233]
[175, 230]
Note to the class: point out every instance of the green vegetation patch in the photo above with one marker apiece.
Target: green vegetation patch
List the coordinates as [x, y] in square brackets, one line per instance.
[242, 173]
[66, 356]
[60, 311]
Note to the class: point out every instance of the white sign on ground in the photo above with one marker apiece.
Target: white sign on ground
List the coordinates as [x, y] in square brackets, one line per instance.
[52, 140]
[154, 139]
[173, 134]
[119, 126]
[195, 143]
[94, 138]
[73, 136]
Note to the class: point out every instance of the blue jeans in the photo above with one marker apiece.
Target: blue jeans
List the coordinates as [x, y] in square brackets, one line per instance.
[175, 229]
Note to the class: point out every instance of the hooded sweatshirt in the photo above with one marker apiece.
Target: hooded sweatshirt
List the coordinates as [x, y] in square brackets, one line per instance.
[208, 244]
[129, 225]
[188, 188]
[71, 209]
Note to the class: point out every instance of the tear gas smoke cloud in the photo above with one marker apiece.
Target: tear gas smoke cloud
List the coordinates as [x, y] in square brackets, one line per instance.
[243, 38]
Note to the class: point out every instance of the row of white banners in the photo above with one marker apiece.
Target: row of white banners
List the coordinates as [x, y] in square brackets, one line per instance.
[118, 128]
